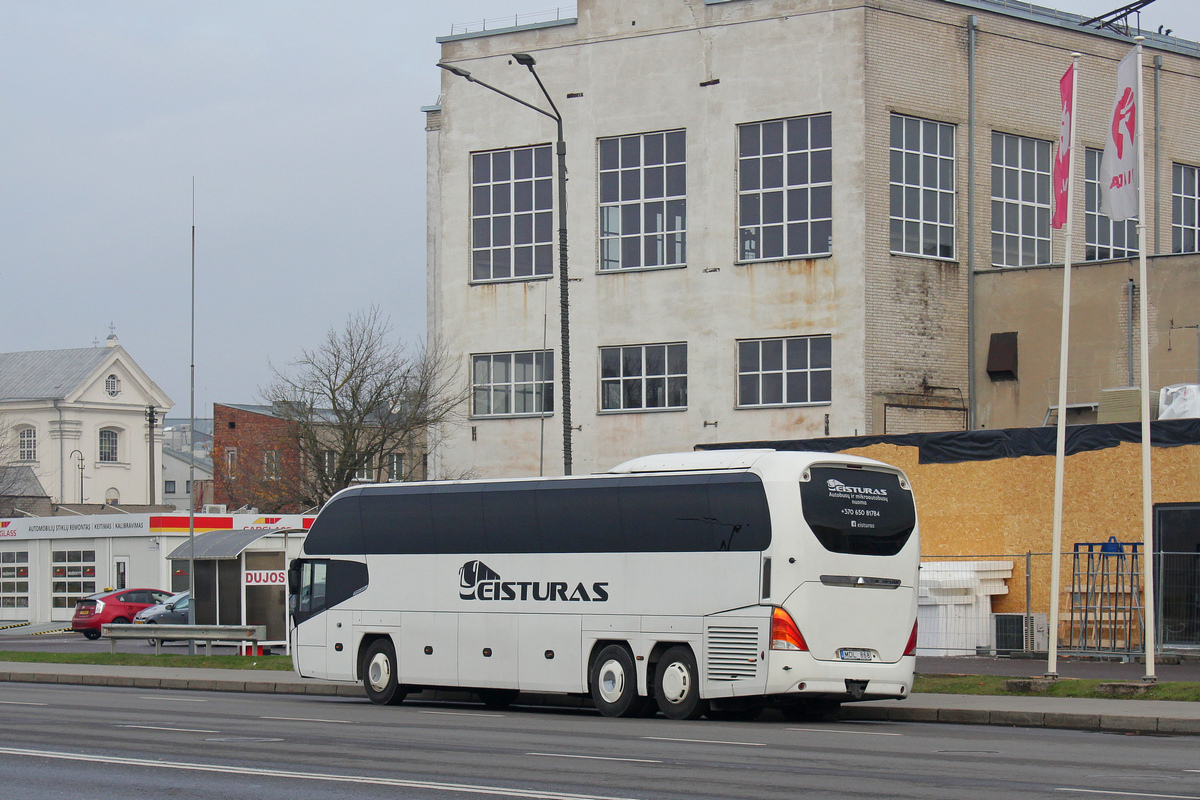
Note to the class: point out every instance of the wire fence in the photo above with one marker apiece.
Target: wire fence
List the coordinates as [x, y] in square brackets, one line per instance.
[1000, 604]
[513, 20]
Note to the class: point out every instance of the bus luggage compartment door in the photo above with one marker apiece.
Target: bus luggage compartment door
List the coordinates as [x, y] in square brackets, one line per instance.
[487, 650]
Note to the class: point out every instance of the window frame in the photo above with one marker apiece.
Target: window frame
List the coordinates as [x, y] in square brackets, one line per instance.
[272, 465]
[1096, 224]
[1006, 209]
[786, 369]
[487, 192]
[1181, 227]
[912, 190]
[618, 197]
[540, 387]
[673, 380]
[805, 173]
[110, 452]
[26, 443]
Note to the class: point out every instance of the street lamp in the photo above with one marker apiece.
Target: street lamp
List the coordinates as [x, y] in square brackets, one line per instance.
[80, 454]
[527, 61]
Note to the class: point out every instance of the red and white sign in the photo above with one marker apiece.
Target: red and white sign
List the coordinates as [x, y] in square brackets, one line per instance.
[266, 577]
[1118, 169]
[1062, 160]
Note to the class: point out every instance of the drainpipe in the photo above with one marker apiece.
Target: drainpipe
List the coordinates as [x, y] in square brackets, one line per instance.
[1157, 151]
[972, 27]
[62, 475]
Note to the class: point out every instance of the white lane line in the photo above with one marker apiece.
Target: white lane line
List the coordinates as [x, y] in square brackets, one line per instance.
[462, 788]
[173, 699]
[19, 703]
[596, 758]
[701, 741]
[856, 733]
[460, 713]
[1128, 794]
[177, 730]
[311, 719]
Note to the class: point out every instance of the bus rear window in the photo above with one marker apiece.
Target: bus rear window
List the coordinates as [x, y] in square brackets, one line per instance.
[858, 511]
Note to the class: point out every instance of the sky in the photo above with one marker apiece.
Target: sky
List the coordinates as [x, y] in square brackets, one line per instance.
[297, 122]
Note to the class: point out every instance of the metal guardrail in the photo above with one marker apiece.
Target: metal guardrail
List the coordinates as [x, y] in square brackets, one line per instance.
[198, 633]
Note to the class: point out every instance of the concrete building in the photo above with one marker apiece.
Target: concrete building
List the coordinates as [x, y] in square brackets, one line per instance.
[177, 471]
[787, 219]
[81, 420]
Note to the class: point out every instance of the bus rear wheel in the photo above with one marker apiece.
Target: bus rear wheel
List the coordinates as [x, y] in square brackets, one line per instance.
[677, 685]
[614, 683]
[379, 674]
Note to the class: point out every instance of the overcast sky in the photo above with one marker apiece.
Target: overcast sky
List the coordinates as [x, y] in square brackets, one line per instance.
[299, 121]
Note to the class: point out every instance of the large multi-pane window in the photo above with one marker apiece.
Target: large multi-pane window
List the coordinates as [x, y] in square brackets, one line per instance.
[785, 188]
[512, 227]
[643, 376]
[109, 446]
[73, 576]
[643, 205]
[1020, 200]
[27, 444]
[512, 383]
[1185, 210]
[785, 371]
[922, 187]
[14, 579]
[1103, 238]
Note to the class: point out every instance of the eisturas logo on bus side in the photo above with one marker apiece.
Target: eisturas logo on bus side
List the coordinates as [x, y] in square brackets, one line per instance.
[837, 486]
[478, 581]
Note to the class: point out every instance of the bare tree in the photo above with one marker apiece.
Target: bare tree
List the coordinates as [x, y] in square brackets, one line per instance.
[360, 403]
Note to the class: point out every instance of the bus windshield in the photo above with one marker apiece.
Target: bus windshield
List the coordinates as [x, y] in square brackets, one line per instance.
[858, 511]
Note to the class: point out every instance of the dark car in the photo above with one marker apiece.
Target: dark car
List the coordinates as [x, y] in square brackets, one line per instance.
[172, 611]
[112, 607]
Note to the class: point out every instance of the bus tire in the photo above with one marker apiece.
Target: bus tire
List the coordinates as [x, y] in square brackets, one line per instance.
[614, 683]
[497, 698]
[379, 674]
[677, 685]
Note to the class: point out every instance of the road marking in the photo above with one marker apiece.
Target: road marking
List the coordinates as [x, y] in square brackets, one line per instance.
[173, 699]
[1129, 794]
[462, 788]
[19, 703]
[311, 719]
[702, 741]
[856, 733]
[461, 713]
[596, 758]
[177, 730]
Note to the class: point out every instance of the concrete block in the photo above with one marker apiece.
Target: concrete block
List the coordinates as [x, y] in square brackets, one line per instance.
[1078, 722]
[910, 714]
[1172, 725]
[260, 687]
[120, 680]
[92, 680]
[964, 716]
[206, 685]
[172, 683]
[147, 683]
[327, 689]
[1019, 719]
[346, 690]
[41, 677]
[1124, 723]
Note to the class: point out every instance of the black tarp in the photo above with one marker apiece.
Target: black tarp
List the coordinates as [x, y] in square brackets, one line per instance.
[952, 447]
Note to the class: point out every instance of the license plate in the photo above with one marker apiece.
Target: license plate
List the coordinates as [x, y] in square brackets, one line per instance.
[854, 655]
[85, 613]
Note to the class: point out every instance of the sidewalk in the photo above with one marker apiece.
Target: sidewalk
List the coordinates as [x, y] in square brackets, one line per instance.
[1127, 716]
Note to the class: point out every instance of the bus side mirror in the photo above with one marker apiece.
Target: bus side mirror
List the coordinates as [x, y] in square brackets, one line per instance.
[293, 576]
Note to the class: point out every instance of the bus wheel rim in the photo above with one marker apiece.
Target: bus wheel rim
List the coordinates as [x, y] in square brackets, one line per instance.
[379, 672]
[611, 681]
[676, 681]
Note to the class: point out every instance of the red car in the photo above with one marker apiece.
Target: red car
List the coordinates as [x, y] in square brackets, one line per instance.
[112, 607]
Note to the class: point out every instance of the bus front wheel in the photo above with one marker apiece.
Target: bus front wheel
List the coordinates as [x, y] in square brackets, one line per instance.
[379, 676]
[677, 685]
[614, 683]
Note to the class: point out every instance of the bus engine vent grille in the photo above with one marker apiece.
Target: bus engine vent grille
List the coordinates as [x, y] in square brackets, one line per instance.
[732, 653]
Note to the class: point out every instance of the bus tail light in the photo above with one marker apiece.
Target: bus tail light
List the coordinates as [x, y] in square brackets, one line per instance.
[784, 633]
[911, 648]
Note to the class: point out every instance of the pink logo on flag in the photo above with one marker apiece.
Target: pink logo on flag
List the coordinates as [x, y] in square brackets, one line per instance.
[1124, 113]
[1062, 160]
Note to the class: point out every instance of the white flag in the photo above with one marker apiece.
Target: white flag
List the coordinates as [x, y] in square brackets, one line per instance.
[1118, 169]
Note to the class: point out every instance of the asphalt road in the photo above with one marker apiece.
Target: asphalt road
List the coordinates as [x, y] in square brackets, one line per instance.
[60, 741]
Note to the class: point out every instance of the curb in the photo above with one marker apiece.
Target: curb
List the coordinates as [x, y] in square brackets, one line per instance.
[1025, 719]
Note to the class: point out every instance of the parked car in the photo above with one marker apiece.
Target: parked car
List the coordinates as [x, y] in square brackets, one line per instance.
[115, 606]
[172, 611]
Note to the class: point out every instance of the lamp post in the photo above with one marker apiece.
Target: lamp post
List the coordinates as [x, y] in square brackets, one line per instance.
[527, 61]
[80, 454]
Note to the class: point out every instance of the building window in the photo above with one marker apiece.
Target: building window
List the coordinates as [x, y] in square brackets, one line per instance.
[1185, 210]
[512, 383]
[73, 576]
[27, 444]
[922, 187]
[1020, 201]
[169, 487]
[1103, 238]
[512, 227]
[785, 188]
[787, 371]
[328, 463]
[271, 464]
[112, 385]
[643, 376]
[14, 579]
[643, 208]
[395, 466]
[231, 462]
[109, 446]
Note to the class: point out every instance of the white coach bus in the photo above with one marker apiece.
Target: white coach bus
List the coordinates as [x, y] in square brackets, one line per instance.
[714, 582]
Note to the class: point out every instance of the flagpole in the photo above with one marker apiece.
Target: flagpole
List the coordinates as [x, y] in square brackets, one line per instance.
[1061, 436]
[1143, 330]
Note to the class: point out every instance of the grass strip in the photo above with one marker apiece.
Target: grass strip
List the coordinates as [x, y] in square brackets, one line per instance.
[1063, 687]
[276, 663]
